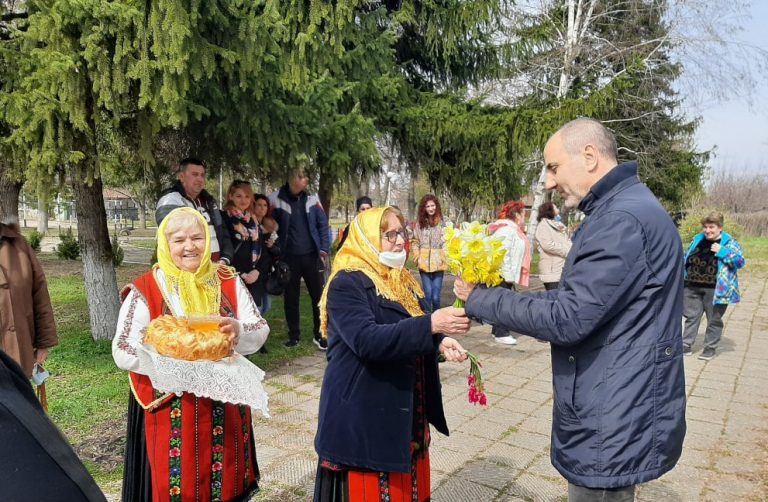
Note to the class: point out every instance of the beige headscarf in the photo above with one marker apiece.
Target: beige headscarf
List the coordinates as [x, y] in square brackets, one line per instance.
[360, 253]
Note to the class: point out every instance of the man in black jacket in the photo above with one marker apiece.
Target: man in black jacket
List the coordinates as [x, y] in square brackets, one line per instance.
[614, 323]
[190, 191]
[36, 462]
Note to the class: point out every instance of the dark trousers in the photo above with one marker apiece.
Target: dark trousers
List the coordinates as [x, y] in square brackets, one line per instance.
[309, 268]
[496, 331]
[696, 302]
[549, 286]
[581, 494]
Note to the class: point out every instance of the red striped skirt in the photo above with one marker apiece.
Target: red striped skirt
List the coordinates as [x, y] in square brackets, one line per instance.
[335, 483]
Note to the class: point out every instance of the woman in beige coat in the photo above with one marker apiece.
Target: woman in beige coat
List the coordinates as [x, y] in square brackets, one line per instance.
[553, 245]
[27, 329]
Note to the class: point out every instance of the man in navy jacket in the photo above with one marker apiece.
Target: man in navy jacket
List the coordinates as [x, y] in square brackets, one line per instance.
[614, 323]
[305, 240]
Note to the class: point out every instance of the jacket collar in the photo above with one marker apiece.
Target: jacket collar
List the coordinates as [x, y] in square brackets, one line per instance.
[203, 197]
[618, 178]
[289, 196]
[7, 233]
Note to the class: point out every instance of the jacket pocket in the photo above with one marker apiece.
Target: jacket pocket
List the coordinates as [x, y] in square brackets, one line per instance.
[352, 383]
[565, 390]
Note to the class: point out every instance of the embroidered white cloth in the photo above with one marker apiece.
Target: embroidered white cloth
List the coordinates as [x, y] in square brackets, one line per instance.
[233, 379]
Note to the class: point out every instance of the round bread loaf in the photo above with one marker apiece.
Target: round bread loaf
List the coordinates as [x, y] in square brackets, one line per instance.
[177, 338]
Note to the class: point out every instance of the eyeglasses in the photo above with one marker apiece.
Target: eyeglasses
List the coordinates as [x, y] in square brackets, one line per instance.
[391, 236]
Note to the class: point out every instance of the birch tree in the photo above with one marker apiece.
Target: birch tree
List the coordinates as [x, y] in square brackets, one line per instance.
[568, 49]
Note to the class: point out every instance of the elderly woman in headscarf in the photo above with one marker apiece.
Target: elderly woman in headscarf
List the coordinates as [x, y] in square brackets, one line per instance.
[184, 447]
[382, 387]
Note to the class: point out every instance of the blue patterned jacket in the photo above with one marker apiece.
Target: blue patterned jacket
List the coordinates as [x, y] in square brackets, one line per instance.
[730, 258]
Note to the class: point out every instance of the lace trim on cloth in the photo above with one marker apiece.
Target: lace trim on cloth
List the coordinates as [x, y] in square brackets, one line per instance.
[233, 380]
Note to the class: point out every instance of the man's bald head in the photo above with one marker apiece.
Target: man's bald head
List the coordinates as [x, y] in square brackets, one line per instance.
[580, 132]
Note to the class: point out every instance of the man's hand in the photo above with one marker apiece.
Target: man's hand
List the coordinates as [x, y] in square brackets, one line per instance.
[323, 254]
[41, 355]
[462, 289]
[231, 328]
[452, 350]
[715, 247]
[251, 277]
[450, 321]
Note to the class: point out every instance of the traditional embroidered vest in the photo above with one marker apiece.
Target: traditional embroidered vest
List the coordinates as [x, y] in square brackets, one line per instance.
[146, 285]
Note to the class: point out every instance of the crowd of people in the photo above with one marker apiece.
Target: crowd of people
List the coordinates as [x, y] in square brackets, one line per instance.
[615, 291]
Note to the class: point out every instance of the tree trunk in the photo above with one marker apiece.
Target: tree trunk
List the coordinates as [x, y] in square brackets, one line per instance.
[96, 252]
[578, 21]
[42, 213]
[9, 198]
[412, 202]
[141, 203]
[325, 192]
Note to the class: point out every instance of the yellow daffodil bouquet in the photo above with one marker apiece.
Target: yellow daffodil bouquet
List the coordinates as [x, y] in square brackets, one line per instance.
[474, 255]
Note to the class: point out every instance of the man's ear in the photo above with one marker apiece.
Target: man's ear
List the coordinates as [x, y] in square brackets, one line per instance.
[591, 157]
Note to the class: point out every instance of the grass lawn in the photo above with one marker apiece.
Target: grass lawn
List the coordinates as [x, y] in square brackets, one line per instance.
[756, 254]
[88, 394]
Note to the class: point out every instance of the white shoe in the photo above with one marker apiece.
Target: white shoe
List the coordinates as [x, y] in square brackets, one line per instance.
[506, 340]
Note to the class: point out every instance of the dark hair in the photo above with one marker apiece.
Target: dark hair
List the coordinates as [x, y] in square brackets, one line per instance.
[261, 196]
[546, 210]
[424, 219]
[186, 161]
[511, 207]
[363, 200]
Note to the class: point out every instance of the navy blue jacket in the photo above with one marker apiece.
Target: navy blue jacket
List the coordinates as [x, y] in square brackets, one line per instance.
[366, 402]
[318, 220]
[615, 331]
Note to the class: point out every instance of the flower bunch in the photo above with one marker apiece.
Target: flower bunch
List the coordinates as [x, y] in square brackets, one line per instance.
[474, 255]
[476, 393]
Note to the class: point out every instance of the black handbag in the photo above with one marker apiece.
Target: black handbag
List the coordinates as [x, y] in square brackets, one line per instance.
[278, 277]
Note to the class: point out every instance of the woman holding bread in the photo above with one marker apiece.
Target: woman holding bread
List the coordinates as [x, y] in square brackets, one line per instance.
[184, 447]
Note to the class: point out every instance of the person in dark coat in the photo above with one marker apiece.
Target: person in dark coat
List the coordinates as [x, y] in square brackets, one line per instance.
[381, 388]
[614, 324]
[270, 250]
[189, 191]
[37, 463]
[304, 243]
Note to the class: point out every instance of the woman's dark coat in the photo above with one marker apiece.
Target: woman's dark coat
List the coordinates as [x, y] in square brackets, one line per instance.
[366, 403]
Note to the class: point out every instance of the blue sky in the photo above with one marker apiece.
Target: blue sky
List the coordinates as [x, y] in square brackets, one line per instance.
[739, 130]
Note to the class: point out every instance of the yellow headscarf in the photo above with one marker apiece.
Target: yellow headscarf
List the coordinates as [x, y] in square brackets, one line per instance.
[199, 291]
[360, 253]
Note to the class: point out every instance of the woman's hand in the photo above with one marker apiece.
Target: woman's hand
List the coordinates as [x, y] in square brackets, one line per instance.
[41, 355]
[452, 350]
[251, 277]
[450, 321]
[231, 328]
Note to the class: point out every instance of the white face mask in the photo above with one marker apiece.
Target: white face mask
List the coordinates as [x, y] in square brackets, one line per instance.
[393, 259]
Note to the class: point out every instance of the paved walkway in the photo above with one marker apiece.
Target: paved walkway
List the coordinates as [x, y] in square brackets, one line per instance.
[501, 452]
